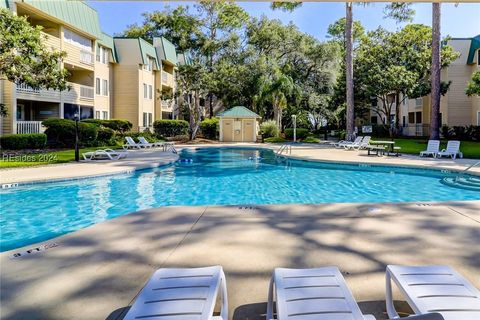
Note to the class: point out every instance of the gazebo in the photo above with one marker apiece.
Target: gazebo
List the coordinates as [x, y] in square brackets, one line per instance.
[238, 124]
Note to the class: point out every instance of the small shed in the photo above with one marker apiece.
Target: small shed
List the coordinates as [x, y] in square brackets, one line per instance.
[238, 124]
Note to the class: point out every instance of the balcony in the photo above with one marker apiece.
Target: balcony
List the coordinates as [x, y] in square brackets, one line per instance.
[78, 56]
[166, 105]
[51, 42]
[30, 127]
[78, 94]
[167, 79]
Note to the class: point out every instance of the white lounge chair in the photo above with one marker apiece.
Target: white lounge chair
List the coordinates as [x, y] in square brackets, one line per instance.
[131, 144]
[182, 294]
[358, 145]
[433, 289]
[343, 143]
[104, 154]
[432, 148]
[305, 294]
[453, 148]
[157, 144]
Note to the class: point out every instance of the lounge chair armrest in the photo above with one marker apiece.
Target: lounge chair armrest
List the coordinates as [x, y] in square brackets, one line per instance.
[426, 316]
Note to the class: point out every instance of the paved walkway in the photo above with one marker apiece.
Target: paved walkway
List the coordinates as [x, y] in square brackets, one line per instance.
[95, 273]
[136, 160]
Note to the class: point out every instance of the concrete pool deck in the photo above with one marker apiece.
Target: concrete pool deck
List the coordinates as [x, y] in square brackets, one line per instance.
[96, 272]
[141, 159]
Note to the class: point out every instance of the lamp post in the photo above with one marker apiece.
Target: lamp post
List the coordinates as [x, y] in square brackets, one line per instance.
[76, 117]
[294, 119]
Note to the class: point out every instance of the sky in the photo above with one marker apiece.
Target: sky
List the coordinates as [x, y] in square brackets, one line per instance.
[312, 17]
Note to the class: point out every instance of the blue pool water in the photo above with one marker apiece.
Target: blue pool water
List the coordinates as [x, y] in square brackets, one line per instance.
[211, 176]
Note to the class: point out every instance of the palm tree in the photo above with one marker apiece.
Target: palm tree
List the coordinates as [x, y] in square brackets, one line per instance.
[435, 73]
[349, 71]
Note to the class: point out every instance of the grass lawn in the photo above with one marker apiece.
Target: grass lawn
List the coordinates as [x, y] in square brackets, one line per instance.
[47, 157]
[470, 149]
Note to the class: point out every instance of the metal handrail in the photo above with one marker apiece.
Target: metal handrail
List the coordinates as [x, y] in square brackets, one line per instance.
[465, 170]
[284, 147]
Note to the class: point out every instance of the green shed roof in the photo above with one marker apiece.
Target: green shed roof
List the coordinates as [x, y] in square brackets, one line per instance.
[184, 58]
[167, 51]
[474, 46]
[148, 51]
[238, 112]
[3, 4]
[75, 13]
[107, 41]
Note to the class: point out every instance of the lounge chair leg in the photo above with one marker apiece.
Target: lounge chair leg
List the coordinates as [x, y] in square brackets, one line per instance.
[224, 310]
[270, 300]
[392, 313]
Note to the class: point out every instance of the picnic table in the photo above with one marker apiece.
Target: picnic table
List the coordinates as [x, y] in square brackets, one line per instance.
[388, 144]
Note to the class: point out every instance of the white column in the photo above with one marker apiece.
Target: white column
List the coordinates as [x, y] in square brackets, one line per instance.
[14, 109]
[221, 129]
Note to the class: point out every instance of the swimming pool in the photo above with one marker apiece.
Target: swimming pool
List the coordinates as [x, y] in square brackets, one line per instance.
[214, 176]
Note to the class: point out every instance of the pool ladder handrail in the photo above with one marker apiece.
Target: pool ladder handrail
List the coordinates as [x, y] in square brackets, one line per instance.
[476, 164]
[284, 147]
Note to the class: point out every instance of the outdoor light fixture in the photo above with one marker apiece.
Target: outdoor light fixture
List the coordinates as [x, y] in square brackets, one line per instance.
[294, 119]
[76, 117]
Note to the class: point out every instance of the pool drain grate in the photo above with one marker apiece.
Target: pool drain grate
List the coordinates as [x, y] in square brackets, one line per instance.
[41, 248]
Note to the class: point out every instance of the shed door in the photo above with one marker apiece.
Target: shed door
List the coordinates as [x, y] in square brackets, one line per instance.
[227, 130]
[237, 130]
[248, 129]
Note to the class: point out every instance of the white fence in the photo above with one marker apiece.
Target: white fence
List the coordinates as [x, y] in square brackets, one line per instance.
[30, 127]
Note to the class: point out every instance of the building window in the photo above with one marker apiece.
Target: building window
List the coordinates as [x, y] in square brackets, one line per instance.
[105, 87]
[105, 115]
[374, 120]
[478, 118]
[411, 117]
[97, 114]
[150, 91]
[404, 121]
[418, 117]
[97, 85]
[150, 64]
[478, 57]
[150, 118]
[145, 91]
[418, 102]
[145, 119]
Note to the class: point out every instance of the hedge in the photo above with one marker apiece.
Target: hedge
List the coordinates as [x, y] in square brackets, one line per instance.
[170, 128]
[269, 129]
[61, 132]
[23, 141]
[209, 128]
[106, 136]
[114, 124]
[461, 132]
[302, 133]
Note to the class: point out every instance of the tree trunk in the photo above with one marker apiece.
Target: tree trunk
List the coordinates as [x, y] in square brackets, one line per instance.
[211, 106]
[397, 113]
[349, 72]
[435, 76]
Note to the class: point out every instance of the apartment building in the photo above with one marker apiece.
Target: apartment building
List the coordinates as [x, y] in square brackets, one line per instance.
[121, 78]
[456, 108]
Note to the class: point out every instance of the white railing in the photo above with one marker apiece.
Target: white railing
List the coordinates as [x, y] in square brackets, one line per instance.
[164, 76]
[86, 57]
[166, 104]
[25, 88]
[30, 127]
[86, 92]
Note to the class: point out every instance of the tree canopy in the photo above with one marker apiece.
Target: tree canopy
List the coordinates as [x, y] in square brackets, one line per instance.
[473, 86]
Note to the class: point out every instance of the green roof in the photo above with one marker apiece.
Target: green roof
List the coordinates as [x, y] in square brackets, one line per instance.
[3, 4]
[238, 112]
[167, 51]
[474, 46]
[75, 13]
[147, 50]
[184, 59]
[107, 41]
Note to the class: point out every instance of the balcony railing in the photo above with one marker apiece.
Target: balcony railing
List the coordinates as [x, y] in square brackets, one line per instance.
[30, 127]
[167, 79]
[24, 88]
[86, 92]
[86, 57]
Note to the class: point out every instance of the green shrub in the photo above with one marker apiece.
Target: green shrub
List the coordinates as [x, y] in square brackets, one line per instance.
[311, 139]
[446, 132]
[302, 133]
[269, 129]
[106, 136]
[209, 128]
[460, 133]
[114, 124]
[473, 132]
[275, 139]
[61, 132]
[170, 128]
[23, 141]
